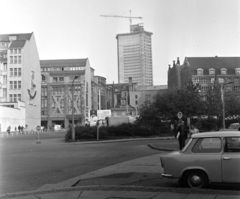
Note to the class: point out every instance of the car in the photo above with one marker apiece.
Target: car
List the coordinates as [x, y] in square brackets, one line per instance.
[234, 126]
[211, 157]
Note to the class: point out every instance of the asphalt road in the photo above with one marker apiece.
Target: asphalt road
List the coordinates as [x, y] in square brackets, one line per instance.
[26, 165]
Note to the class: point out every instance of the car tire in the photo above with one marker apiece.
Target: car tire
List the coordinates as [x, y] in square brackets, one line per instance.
[196, 179]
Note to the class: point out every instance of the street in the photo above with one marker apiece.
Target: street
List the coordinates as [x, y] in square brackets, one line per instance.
[26, 165]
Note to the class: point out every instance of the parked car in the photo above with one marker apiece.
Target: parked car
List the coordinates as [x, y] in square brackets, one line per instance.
[212, 157]
[234, 126]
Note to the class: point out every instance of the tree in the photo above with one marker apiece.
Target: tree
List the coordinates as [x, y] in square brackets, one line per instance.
[166, 105]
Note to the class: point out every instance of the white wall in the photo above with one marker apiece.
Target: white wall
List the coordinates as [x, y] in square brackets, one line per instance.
[12, 116]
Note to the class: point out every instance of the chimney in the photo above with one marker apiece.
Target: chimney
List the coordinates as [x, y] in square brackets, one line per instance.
[178, 61]
[173, 63]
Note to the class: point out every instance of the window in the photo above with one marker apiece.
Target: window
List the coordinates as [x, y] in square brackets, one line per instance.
[55, 79]
[15, 98]
[207, 145]
[220, 80]
[232, 145]
[223, 71]
[136, 96]
[11, 97]
[11, 85]
[4, 79]
[15, 72]
[61, 79]
[43, 78]
[19, 72]
[11, 59]
[204, 80]
[15, 51]
[19, 84]
[19, 97]
[11, 72]
[15, 59]
[236, 80]
[211, 71]
[4, 67]
[136, 102]
[4, 92]
[237, 71]
[236, 88]
[197, 80]
[199, 71]
[15, 84]
[11, 51]
[19, 51]
[19, 59]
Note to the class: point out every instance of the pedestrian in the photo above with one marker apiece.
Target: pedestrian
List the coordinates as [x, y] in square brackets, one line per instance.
[22, 129]
[9, 129]
[19, 128]
[15, 129]
[193, 130]
[181, 134]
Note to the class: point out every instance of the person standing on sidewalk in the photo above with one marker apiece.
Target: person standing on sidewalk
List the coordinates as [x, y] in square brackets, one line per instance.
[181, 134]
[193, 130]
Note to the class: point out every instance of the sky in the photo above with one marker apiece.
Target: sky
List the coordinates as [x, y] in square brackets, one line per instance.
[74, 29]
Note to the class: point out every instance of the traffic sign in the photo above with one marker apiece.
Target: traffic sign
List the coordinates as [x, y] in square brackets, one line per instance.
[179, 115]
[38, 128]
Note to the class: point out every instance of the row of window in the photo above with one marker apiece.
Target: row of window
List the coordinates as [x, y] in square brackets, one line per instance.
[212, 71]
[14, 72]
[227, 88]
[62, 68]
[14, 97]
[15, 60]
[15, 85]
[211, 80]
[15, 51]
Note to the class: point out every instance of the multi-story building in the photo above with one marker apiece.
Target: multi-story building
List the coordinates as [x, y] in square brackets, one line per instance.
[204, 71]
[135, 56]
[62, 79]
[20, 77]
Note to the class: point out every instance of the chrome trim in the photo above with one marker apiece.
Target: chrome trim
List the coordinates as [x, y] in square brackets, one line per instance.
[167, 175]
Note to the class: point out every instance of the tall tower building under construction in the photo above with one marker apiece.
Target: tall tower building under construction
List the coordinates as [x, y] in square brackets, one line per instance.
[135, 56]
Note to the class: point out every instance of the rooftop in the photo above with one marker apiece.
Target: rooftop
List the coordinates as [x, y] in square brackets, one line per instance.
[63, 62]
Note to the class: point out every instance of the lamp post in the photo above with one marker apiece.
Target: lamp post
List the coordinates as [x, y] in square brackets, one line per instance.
[73, 130]
[223, 101]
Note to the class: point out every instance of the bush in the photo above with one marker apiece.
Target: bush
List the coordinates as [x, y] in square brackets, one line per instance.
[120, 131]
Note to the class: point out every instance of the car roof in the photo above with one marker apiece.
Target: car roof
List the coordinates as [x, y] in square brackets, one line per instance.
[234, 124]
[217, 134]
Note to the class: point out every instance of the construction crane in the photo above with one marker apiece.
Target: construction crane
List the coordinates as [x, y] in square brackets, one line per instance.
[130, 17]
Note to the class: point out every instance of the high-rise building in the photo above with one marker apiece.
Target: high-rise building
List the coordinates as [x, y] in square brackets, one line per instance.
[135, 56]
[20, 77]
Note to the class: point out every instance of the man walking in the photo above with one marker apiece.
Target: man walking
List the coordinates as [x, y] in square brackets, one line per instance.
[181, 134]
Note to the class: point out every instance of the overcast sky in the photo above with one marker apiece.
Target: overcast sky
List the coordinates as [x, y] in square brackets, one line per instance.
[66, 29]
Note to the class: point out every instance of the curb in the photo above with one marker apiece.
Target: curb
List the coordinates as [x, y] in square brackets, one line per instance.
[124, 188]
[120, 140]
[161, 149]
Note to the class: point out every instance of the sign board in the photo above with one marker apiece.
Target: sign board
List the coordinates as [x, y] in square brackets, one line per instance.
[179, 115]
[102, 114]
[38, 128]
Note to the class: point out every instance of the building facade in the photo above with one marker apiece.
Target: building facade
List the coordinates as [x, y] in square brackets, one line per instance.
[20, 76]
[205, 71]
[63, 81]
[135, 56]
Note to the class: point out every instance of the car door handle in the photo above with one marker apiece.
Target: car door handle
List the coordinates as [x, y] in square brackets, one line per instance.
[227, 158]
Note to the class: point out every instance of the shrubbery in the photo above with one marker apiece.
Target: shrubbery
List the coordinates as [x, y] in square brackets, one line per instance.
[112, 132]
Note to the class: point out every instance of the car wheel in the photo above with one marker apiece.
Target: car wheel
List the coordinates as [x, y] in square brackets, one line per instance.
[196, 179]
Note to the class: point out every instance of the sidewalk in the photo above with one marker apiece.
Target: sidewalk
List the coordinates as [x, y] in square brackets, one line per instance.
[93, 184]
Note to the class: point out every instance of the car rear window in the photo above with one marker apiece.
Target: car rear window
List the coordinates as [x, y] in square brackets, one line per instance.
[207, 145]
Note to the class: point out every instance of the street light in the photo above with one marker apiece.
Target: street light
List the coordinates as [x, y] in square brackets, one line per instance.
[73, 130]
[224, 102]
